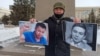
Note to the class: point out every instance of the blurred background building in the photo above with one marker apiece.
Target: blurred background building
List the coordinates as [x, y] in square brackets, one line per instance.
[3, 12]
[88, 14]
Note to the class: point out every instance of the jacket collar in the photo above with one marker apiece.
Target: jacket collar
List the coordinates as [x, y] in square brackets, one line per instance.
[55, 20]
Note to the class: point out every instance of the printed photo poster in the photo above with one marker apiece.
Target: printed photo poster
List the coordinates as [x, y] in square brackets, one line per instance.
[81, 35]
[34, 33]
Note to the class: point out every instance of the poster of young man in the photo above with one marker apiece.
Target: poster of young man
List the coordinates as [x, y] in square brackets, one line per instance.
[34, 33]
[81, 35]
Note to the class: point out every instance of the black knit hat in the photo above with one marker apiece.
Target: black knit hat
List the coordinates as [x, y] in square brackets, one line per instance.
[59, 5]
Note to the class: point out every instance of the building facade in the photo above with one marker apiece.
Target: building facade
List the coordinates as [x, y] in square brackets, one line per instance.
[83, 12]
[4, 12]
[44, 8]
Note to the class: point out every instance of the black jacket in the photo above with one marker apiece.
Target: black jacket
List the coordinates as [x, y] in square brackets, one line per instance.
[56, 47]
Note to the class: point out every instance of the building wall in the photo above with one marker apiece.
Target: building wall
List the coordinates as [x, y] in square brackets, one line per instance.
[4, 12]
[83, 12]
[44, 8]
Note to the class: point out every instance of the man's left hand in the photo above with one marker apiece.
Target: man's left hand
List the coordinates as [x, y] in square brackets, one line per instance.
[77, 20]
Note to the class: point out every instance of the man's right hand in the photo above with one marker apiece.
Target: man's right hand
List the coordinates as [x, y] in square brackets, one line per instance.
[33, 20]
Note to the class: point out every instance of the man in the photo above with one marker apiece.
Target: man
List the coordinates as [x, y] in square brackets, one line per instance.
[36, 37]
[57, 47]
[78, 37]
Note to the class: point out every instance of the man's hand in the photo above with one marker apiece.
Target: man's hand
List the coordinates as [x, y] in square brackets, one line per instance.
[33, 20]
[77, 20]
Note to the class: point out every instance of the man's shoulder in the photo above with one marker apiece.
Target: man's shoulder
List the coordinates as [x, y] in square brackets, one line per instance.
[43, 38]
[68, 40]
[48, 19]
[67, 19]
[28, 32]
[88, 46]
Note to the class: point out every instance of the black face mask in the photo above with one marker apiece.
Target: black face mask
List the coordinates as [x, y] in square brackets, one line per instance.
[58, 15]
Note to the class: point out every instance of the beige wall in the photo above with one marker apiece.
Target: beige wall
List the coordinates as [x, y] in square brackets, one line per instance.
[4, 12]
[83, 12]
[44, 8]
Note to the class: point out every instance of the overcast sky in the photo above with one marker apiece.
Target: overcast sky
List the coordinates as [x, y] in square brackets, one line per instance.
[5, 3]
[87, 3]
[78, 3]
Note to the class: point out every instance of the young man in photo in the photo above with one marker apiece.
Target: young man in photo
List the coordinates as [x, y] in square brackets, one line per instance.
[36, 36]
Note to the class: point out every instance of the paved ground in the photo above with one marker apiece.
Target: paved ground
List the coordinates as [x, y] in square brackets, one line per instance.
[21, 50]
[16, 49]
[77, 52]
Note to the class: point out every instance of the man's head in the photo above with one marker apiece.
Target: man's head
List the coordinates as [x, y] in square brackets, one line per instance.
[58, 9]
[40, 30]
[78, 32]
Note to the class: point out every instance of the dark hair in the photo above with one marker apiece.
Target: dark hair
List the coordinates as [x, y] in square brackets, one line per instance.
[80, 25]
[41, 25]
